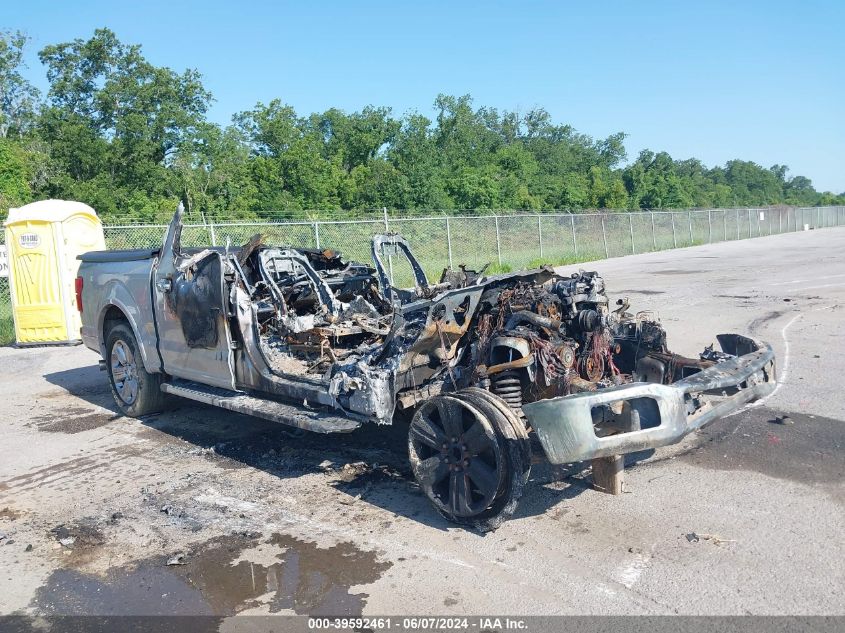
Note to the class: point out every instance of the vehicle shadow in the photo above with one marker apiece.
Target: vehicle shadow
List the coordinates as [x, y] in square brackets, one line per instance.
[552, 484]
[369, 465]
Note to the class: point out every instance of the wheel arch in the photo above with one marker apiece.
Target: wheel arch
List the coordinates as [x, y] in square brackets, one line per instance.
[117, 312]
[501, 346]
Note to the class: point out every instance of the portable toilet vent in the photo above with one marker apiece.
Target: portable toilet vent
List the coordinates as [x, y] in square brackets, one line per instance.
[42, 240]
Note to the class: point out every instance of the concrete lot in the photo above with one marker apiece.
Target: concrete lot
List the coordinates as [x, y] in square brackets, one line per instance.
[744, 517]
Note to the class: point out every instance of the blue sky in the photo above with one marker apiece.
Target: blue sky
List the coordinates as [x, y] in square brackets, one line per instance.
[763, 81]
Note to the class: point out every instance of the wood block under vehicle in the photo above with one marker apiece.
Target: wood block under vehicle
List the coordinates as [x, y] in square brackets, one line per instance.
[608, 473]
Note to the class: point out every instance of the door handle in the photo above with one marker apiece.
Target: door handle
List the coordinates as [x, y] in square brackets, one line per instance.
[164, 285]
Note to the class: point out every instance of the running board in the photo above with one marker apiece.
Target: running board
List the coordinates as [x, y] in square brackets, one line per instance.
[300, 417]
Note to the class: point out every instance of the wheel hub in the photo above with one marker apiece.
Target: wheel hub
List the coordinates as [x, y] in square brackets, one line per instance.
[455, 454]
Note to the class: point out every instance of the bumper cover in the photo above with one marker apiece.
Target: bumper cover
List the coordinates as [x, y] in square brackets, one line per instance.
[565, 425]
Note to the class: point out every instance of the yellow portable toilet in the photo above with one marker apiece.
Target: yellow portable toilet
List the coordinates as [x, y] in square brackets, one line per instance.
[42, 240]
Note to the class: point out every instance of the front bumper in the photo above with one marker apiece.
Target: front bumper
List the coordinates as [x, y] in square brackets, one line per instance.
[665, 413]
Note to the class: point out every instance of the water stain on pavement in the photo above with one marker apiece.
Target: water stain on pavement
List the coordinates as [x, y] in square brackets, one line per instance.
[641, 292]
[72, 420]
[9, 514]
[216, 580]
[810, 451]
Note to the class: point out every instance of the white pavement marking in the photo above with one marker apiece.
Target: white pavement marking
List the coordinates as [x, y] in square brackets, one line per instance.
[841, 283]
[782, 374]
[800, 281]
[785, 369]
[629, 574]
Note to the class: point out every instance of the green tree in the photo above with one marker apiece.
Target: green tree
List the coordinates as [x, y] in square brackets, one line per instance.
[115, 123]
[18, 97]
[14, 176]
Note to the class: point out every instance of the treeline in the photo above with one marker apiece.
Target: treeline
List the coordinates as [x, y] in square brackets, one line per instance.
[132, 139]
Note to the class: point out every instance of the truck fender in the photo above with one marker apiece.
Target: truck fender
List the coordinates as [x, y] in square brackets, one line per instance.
[116, 295]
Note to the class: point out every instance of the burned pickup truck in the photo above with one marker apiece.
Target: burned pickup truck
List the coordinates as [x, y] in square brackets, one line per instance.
[489, 372]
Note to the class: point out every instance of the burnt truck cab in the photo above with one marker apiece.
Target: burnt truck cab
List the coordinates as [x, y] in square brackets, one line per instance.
[487, 367]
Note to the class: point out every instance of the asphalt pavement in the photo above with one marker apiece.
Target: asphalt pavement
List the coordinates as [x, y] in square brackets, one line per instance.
[202, 511]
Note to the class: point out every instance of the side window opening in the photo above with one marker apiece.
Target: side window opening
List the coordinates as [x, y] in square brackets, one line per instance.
[313, 309]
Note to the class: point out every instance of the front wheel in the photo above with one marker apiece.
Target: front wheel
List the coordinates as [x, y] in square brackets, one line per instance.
[135, 391]
[465, 459]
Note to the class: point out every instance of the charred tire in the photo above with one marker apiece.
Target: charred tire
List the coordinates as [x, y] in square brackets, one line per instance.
[517, 423]
[466, 459]
[513, 449]
[135, 391]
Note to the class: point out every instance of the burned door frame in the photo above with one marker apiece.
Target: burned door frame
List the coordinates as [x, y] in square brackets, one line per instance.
[392, 292]
[182, 286]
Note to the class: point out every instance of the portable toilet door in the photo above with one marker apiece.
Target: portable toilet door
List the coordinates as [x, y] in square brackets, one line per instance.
[43, 239]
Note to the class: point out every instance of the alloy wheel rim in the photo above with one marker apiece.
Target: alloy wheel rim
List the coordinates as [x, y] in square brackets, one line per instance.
[124, 371]
[455, 456]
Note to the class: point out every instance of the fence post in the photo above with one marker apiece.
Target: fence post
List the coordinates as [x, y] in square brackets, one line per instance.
[631, 223]
[213, 234]
[737, 223]
[604, 237]
[674, 238]
[498, 240]
[725, 222]
[653, 235]
[780, 221]
[449, 240]
[748, 211]
[817, 217]
[709, 226]
[689, 213]
[389, 256]
[574, 240]
[540, 233]
[317, 235]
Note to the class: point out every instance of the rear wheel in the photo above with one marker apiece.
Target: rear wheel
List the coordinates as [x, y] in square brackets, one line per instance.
[465, 458]
[135, 391]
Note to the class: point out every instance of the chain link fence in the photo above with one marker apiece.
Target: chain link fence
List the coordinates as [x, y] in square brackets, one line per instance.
[507, 242]
[7, 327]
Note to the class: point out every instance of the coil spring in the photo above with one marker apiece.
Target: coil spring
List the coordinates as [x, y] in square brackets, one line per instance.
[508, 386]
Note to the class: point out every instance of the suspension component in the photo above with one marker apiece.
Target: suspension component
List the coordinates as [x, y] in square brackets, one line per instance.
[508, 386]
